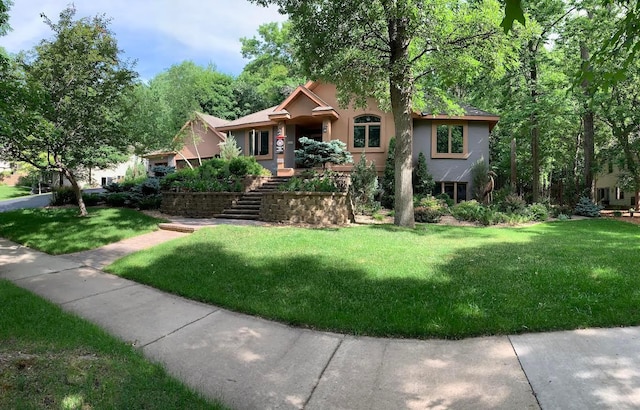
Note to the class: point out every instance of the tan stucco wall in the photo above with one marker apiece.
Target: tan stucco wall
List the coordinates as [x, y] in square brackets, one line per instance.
[205, 138]
[342, 128]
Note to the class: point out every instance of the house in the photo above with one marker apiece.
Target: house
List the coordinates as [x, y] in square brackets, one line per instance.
[200, 138]
[608, 191]
[451, 144]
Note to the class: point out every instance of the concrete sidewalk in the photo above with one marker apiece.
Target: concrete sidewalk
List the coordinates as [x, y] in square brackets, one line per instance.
[250, 363]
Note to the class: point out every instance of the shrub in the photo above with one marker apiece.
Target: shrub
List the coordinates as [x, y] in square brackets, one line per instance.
[116, 199]
[364, 184]
[538, 212]
[314, 182]
[229, 148]
[422, 180]
[135, 171]
[446, 198]
[63, 196]
[512, 204]
[319, 153]
[479, 178]
[563, 217]
[617, 214]
[467, 210]
[238, 167]
[430, 209]
[585, 207]
[92, 199]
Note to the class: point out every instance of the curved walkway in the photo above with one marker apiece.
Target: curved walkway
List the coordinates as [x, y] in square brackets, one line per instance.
[250, 363]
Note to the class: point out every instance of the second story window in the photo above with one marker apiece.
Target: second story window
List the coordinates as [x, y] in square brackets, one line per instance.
[366, 132]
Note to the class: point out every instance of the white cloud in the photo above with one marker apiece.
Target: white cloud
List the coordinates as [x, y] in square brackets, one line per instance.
[210, 28]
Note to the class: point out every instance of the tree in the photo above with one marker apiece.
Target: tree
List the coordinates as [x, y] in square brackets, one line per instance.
[273, 69]
[394, 50]
[422, 180]
[70, 99]
[314, 153]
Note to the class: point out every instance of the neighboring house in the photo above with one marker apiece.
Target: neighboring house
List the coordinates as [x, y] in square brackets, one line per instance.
[94, 177]
[608, 191]
[452, 144]
[200, 141]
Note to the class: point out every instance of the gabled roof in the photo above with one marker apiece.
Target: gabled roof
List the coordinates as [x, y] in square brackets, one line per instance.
[213, 124]
[302, 90]
[256, 119]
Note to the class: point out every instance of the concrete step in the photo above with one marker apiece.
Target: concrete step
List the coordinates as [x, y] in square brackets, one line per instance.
[238, 216]
[233, 211]
[246, 206]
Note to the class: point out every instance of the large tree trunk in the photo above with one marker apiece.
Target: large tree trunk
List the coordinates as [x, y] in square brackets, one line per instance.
[401, 85]
[76, 188]
[588, 120]
[535, 128]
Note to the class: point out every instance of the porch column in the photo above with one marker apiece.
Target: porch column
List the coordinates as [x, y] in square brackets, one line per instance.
[281, 137]
[326, 129]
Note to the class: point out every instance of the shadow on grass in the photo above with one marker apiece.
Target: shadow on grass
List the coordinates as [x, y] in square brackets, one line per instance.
[10, 192]
[557, 276]
[62, 230]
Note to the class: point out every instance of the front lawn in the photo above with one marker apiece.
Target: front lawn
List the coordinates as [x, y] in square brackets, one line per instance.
[60, 230]
[9, 192]
[435, 281]
[53, 360]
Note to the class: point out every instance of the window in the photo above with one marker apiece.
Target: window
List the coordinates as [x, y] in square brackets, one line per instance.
[456, 190]
[366, 132]
[449, 141]
[619, 193]
[259, 142]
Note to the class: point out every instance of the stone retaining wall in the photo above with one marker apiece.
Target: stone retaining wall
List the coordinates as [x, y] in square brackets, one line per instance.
[197, 204]
[317, 208]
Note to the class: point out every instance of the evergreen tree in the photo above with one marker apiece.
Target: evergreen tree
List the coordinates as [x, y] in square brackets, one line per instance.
[389, 177]
[422, 180]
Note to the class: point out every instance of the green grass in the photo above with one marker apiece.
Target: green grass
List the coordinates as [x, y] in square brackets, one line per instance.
[53, 360]
[60, 230]
[9, 192]
[435, 281]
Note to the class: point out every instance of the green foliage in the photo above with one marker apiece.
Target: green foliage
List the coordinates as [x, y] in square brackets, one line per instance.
[273, 70]
[538, 212]
[479, 178]
[135, 171]
[69, 99]
[512, 204]
[229, 148]
[313, 182]
[64, 195]
[364, 185]
[320, 153]
[243, 166]
[585, 207]
[430, 209]
[446, 198]
[92, 199]
[468, 210]
[422, 180]
[215, 175]
[389, 177]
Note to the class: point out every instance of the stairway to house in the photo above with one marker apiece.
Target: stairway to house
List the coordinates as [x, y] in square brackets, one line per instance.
[248, 206]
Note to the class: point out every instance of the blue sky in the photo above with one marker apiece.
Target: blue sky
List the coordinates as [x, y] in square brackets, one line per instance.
[156, 33]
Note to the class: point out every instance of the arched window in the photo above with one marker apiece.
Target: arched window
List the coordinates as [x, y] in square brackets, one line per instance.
[366, 131]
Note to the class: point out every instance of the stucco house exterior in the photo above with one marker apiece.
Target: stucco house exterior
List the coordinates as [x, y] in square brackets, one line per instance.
[200, 138]
[451, 144]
